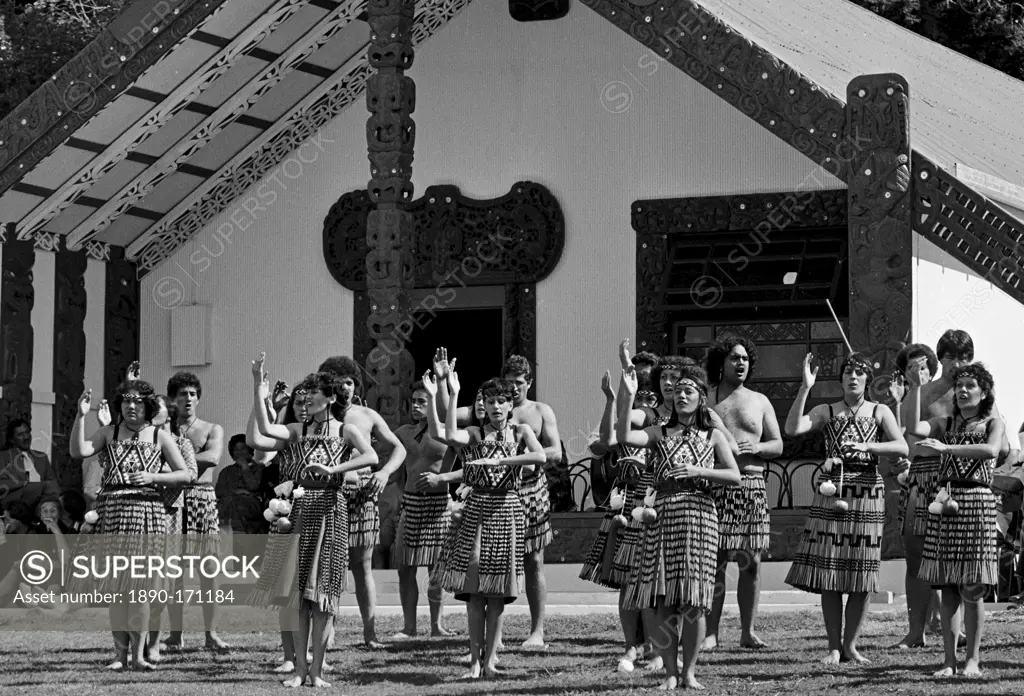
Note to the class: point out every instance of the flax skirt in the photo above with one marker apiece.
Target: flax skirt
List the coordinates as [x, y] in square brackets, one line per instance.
[960, 549]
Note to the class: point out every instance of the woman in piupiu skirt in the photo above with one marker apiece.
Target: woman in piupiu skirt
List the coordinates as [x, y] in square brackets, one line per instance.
[678, 550]
[960, 555]
[840, 551]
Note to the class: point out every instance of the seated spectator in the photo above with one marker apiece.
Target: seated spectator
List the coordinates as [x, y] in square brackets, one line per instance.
[73, 509]
[239, 491]
[25, 473]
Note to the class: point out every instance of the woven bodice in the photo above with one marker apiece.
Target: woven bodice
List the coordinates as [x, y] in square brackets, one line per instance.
[692, 447]
[844, 429]
[123, 457]
[320, 449]
[476, 475]
[965, 469]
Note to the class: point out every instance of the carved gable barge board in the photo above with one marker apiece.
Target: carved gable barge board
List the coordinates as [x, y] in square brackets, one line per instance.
[654, 220]
[68, 361]
[514, 241]
[17, 297]
[269, 149]
[121, 327]
[951, 214]
[105, 68]
[881, 239]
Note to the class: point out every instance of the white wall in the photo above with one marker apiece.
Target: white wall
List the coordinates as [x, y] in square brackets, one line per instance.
[574, 104]
[949, 296]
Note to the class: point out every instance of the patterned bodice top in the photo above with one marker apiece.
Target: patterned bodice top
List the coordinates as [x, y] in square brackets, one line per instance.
[845, 428]
[964, 469]
[289, 464]
[319, 449]
[482, 476]
[691, 447]
[123, 457]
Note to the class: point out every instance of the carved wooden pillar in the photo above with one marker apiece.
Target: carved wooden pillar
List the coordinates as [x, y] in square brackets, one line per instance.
[390, 136]
[68, 361]
[880, 219]
[17, 297]
[121, 327]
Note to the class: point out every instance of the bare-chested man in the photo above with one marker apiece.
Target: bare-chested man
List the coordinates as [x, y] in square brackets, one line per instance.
[200, 515]
[744, 527]
[425, 517]
[364, 515]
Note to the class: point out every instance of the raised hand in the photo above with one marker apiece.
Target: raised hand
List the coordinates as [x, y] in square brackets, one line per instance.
[809, 375]
[258, 374]
[897, 387]
[85, 403]
[441, 366]
[134, 370]
[624, 353]
[453, 379]
[606, 386]
[103, 414]
[917, 372]
[629, 379]
[429, 385]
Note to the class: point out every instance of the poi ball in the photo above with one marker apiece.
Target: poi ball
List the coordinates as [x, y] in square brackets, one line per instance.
[617, 502]
[298, 492]
[619, 521]
[827, 489]
[942, 496]
[269, 515]
[829, 463]
[950, 507]
[275, 505]
[638, 514]
[284, 525]
[649, 515]
[902, 477]
[284, 508]
[92, 517]
[935, 508]
[842, 505]
[457, 516]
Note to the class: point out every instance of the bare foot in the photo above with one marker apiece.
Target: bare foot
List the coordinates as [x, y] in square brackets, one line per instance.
[153, 653]
[850, 654]
[403, 635]
[910, 642]
[473, 673]
[294, 682]
[832, 658]
[624, 666]
[945, 672]
[536, 640]
[442, 632]
[752, 642]
[116, 666]
[492, 671]
[214, 643]
[710, 643]
[142, 666]
[655, 664]
[690, 682]
[319, 683]
[173, 644]
[287, 667]
[972, 669]
[670, 684]
[374, 644]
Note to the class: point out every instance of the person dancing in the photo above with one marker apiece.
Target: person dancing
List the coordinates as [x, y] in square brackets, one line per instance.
[317, 579]
[840, 551]
[960, 555]
[679, 546]
[129, 505]
[744, 523]
[486, 568]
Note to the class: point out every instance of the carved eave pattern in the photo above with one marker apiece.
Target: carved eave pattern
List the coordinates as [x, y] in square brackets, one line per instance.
[517, 238]
[108, 66]
[947, 212]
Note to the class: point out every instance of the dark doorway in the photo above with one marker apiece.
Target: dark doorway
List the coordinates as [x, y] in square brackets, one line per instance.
[473, 336]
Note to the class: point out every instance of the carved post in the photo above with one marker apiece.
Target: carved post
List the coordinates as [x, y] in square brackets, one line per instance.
[68, 362]
[880, 219]
[390, 136]
[17, 297]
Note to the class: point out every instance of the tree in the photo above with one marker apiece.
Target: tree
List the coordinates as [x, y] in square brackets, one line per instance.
[989, 31]
[38, 38]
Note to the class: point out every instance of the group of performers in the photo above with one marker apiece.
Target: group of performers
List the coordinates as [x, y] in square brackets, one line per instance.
[689, 498]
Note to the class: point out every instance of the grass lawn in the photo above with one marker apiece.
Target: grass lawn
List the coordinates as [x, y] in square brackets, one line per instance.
[580, 659]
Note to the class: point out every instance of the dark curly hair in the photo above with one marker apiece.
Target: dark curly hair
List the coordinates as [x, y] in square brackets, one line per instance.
[181, 380]
[694, 373]
[498, 386]
[144, 389]
[858, 360]
[344, 366]
[236, 439]
[13, 425]
[646, 358]
[720, 351]
[916, 350]
[983, 377]
[517, 365]
[957, 344]
[327, 383]
[172, 411]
